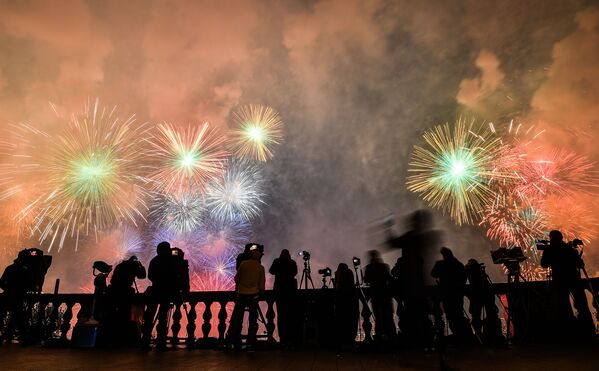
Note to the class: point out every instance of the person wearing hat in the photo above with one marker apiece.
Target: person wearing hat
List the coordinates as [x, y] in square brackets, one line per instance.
[250, 280]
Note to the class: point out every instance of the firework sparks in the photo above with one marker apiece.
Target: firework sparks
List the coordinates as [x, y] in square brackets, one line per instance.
[558, 172]
[238, 194]
[572, 216]
[453, 172]
[185, 159]
[512, 222]
[258, 130]
[88, 177]
[179, 212]
[211, 281]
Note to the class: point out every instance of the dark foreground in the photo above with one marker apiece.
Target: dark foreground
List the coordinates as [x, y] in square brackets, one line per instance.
[13, 357]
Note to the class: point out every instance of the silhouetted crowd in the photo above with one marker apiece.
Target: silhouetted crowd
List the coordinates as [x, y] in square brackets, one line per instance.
[405, 308]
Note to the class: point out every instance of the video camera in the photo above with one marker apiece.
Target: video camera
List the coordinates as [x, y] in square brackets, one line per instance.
[544, 244]
[37, 264]
[356, 261]
[326, 272]
[304, 254]
[508, 256]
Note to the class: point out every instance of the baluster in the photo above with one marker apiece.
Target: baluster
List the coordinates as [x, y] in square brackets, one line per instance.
[66, 320]
[270, 320]
[366, 324]
[52, 320]
[176, 326]
[222, 321]
[191, 324]
[207, 317]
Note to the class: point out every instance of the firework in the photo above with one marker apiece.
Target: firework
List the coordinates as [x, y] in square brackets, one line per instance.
[211, 281]
[87, 178]
[557, 172]
[258, 130]
[178, 212]
[185, 160]
[238, 194]
[453, 171]
[512, 222]
[571, 215]
[234, 233]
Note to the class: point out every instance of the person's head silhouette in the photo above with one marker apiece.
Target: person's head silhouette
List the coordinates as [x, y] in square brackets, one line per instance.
[285, 254]
[447, 253]
[556, 236]
[163, 248]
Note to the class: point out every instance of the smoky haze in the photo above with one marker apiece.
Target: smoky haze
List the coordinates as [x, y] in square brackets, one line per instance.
[356, 82]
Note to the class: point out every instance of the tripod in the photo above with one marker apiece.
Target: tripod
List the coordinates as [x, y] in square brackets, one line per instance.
[513, 277]
[306, 275]
[366, 309]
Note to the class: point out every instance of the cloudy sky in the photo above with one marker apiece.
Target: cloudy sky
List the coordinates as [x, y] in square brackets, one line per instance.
[356, 82]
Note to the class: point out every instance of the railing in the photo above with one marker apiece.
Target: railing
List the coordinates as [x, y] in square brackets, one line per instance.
[204, 316]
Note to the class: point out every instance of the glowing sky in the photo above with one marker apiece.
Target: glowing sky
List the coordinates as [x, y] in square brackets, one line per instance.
[356, 82]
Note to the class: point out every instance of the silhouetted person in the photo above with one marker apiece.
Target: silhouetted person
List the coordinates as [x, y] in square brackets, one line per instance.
[565, 264]
[417, 248]
[15, 283]
[285, 287]
[250, 280]
[245, 255]
[121, 293]
[451, 276]
[378, 276]
[347, 310]
[162, 271]
[122, 282]
[398, 290]
[481, 297]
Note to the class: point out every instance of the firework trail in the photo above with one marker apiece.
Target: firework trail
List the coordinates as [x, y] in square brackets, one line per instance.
[258, 129]
[558, 172]
[88, 177]
[185, 159]
[239, 194]
[179, 212]
[453, 171]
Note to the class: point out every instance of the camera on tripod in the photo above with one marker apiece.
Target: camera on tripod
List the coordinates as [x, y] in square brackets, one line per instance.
[356, 261]
[326, 272]
[304, 254]
[508, 256]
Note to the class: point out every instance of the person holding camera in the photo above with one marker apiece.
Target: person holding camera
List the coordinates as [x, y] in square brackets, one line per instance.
[481, 297]
[285, 288]
[250, 280]
[120, 295]
[565, 264]
[163, 273]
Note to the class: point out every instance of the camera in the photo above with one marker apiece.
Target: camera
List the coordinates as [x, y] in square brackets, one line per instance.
[326, 272]
[356, 261]
[304, 254]
[102, 267]
[175, 251]
[575, 243]
[541, 244]
[506, 256]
